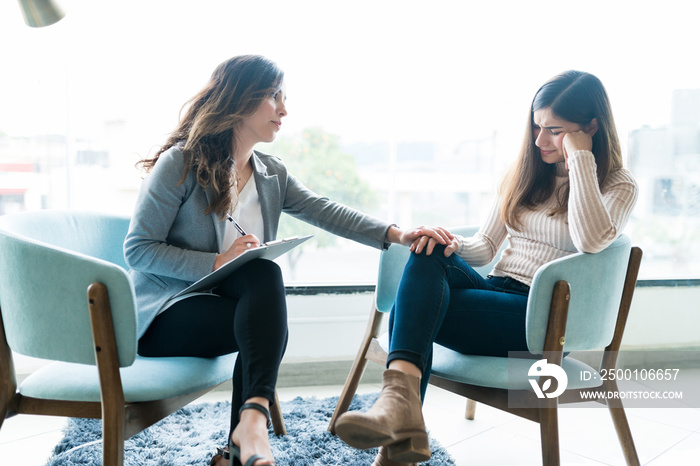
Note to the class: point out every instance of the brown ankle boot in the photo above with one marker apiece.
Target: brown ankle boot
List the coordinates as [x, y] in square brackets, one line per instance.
[395, 421]
[382, 459]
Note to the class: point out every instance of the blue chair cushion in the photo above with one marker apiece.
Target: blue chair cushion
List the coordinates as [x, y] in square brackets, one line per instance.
[147, 379]
[497, 372]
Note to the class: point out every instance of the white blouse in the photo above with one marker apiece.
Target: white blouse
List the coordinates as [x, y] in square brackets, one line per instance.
[247, 213]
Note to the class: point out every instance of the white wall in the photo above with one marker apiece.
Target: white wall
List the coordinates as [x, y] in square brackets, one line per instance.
[664, 318]
[327, 327]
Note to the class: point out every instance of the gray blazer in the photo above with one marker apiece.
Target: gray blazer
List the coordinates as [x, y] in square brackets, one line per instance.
[172, 243]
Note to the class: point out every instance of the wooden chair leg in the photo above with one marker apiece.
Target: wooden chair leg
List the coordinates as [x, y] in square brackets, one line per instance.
[276, 416]
[622, 427]
[358, 368]
[111, 391]
[349, 389]
[549, 433]
[471, 409]
[624, 435]
[113, 439]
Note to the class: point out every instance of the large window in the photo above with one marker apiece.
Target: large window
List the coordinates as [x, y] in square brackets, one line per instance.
[407, 110]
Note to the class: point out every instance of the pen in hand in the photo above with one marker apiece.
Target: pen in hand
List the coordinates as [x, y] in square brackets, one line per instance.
[235, 224]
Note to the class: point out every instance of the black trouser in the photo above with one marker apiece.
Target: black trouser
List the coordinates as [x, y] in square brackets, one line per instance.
[248, 316]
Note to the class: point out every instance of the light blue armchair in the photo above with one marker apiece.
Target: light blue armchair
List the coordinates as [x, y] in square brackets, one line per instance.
[576, 303]
[65, 296]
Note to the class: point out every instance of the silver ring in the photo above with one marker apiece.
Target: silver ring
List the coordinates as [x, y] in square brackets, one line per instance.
[249, 245]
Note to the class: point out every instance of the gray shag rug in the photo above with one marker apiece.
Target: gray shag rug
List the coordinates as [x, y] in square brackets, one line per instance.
[190, 437]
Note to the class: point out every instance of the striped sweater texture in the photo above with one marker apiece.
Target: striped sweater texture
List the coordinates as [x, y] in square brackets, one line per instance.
[595, 218]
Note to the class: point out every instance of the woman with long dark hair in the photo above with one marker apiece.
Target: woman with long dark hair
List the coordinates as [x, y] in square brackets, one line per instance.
[206, 173]
[567, 192]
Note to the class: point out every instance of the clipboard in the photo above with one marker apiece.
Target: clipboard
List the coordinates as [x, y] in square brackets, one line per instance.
[270, 251]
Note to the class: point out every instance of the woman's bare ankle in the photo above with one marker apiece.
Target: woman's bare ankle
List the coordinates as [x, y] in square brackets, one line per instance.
[251, 433]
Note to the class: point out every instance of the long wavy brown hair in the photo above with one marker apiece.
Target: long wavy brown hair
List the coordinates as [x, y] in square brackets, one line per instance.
[577, 97]
[207, 131]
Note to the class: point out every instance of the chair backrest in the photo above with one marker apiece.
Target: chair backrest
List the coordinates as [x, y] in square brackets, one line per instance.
[393, 260]
[47, 261]
[596, 282]
[94, 234]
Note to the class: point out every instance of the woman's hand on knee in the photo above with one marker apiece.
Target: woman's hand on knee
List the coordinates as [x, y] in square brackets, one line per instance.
[451, 247]
[428, 244]
[426, 238]
[441, 235]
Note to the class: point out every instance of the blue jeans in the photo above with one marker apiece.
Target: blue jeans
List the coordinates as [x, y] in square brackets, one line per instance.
[444, 300]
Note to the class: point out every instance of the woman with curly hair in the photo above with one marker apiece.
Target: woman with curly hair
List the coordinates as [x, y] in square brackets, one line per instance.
[206, 173]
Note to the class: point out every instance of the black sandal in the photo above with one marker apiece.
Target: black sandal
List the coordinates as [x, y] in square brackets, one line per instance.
[234, 451]
[222, 452]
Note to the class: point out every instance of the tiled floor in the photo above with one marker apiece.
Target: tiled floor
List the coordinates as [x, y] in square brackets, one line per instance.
[587, 437]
